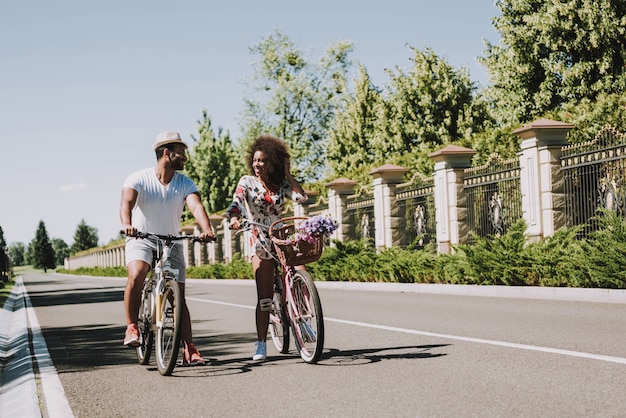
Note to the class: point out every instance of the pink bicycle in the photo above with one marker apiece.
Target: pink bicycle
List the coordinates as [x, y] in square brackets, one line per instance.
[296, 303]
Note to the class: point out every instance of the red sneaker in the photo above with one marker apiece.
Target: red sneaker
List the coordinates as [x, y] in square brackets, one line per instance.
[132, 339]
[192, 357]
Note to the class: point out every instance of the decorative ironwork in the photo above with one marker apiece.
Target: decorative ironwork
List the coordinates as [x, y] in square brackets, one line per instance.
[493, 196]
[360, 211]
[609, 196]
[419, 224]
[416, 206]
[365, 226]
[319, 208]
[593, 177]
[495, 214]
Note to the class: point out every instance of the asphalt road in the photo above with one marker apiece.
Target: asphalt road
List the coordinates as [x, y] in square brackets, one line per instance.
[386, 354]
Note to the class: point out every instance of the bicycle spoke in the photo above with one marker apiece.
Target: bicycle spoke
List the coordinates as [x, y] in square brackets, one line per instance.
[308, 321]
[168, 333]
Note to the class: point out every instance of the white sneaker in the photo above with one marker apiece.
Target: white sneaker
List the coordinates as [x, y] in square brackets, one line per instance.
[261, 351]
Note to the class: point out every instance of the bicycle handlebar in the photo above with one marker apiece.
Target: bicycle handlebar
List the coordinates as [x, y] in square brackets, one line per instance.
[168, 237]
[246, 225]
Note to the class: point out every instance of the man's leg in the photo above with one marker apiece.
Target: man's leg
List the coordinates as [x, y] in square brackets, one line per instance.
[190, 352]
[137, 272]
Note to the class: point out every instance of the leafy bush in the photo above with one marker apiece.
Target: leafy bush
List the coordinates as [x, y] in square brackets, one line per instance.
[97, 271]
[604, 253]
[237, 269]
[563, 260]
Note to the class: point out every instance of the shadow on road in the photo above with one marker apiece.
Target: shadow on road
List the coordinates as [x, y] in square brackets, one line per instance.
[334, 357]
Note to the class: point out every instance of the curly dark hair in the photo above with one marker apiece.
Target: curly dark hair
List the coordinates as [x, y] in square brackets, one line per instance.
[277, 153]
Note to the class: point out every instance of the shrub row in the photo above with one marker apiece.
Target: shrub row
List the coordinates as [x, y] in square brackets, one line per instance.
[563, 260]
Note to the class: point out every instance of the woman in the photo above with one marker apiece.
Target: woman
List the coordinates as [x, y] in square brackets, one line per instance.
[261, 197]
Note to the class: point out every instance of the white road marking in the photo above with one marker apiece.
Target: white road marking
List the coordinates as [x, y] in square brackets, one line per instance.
[559, 351]
[54, 394]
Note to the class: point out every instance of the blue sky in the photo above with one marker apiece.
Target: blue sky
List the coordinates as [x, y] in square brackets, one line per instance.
[86, 86]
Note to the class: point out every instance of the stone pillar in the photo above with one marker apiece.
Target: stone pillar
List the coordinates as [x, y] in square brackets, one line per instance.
[302, 209]
[450, 201]
[228, 243]
[338, 191]
[189, 248]
[541, 182]
[216, 222]
[386, 218]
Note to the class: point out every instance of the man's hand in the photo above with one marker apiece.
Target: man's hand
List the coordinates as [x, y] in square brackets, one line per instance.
[207, 236]
[129, 230]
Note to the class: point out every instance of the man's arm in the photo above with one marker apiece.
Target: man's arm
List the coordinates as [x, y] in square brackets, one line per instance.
[129, 198]
[197, 210]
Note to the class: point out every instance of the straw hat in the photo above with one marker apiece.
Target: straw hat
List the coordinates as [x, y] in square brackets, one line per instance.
[165, 138]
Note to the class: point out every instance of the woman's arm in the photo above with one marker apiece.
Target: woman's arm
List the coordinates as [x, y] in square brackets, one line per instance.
[293, 183]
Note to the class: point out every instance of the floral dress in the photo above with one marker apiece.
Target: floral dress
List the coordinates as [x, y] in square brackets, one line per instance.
[257, 204]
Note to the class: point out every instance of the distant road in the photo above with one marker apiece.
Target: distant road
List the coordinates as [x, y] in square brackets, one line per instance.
[386, 354]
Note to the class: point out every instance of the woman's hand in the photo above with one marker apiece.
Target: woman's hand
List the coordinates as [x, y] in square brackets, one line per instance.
[234, 223]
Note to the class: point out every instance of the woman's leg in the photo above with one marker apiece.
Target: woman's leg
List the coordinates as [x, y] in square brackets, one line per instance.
[264, 277]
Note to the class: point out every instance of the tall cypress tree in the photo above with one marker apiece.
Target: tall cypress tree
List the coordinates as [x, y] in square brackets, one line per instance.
[43, 253]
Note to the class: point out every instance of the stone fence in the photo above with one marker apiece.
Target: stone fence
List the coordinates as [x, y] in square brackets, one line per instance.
[444, 210]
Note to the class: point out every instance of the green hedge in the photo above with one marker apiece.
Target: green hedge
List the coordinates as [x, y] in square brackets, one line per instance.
[563, 260]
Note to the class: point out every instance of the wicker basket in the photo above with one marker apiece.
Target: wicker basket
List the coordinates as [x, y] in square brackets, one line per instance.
[294, 253]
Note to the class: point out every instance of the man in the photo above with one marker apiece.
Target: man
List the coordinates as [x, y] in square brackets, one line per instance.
[152, 201]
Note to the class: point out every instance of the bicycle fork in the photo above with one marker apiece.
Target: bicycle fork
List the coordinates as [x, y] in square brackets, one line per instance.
[164, 271]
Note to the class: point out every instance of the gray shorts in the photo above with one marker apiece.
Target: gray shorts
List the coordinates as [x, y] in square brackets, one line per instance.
[142, 249]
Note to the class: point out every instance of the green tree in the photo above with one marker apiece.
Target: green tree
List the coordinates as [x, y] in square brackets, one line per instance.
[431, 105]
[554, 52]
[5, 261]
[43, 252]
[29, 254]
[350, 152]
[85, 237]
[17, 252]
[3, 243]
[295, 99]
[61, 251]
[213, 165]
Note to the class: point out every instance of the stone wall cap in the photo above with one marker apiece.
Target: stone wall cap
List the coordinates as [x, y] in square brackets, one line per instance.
[543, 123]
[389, 168]
[342, 181]
[453, 150]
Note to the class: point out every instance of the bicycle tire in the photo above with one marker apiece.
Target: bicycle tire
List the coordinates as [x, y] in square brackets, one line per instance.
[307, 319]
[279, 324]
[144, 323]
[168, 331]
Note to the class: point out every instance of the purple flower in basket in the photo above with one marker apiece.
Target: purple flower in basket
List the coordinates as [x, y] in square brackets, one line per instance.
[311, 229]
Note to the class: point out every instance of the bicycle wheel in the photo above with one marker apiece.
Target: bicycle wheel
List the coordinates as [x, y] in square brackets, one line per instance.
[279, 325]
[168, 332]
[144, 323]
[307, 320]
